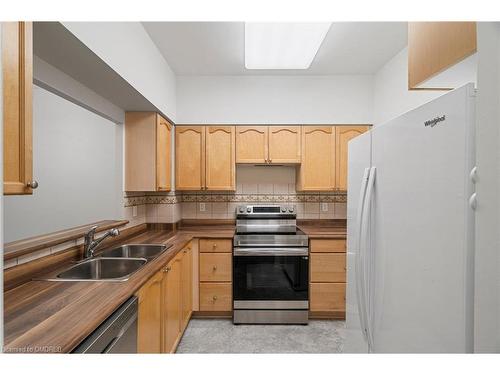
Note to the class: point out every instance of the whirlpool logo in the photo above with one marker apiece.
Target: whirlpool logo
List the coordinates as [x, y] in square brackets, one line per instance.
[435, 121]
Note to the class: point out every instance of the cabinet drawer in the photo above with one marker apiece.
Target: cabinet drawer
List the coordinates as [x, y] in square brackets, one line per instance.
[328, 267]
[215, 296]
[215, 267]
[327, 297]
[220, 245]
[328, 246]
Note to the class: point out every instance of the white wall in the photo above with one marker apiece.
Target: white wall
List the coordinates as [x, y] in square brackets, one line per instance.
[274, 99]
[127, 48]
[487, 261]
[391, 96]
[77, 160]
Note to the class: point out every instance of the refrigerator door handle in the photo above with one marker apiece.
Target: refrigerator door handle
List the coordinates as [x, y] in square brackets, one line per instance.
[358, 263]
[363, 249]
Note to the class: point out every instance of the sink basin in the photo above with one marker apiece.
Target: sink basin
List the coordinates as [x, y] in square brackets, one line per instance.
[135, 251]
[102, 269]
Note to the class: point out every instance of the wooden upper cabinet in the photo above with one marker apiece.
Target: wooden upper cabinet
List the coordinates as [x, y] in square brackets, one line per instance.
[251, 144]
[343, 134]
[284, 144]
[317, 170]
[163, 154]
[148, 139]
[189, 157]
[435, 46]
[220, 155]
[17, 73]
[268, 144]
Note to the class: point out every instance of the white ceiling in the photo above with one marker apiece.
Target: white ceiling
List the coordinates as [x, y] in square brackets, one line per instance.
[217, 48]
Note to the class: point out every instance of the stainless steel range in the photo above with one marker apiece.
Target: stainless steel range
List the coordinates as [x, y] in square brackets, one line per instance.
[270, 266]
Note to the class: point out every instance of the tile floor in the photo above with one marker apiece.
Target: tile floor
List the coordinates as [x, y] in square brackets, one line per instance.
[221, 336]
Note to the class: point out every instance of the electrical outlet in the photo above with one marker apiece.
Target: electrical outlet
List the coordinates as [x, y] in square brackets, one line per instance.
[202, 207]
[134, 211]
[324, 207]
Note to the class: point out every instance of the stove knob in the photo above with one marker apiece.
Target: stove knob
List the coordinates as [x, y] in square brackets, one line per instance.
[283, 209]
[249, 209]
[290, 209]
[242, 209]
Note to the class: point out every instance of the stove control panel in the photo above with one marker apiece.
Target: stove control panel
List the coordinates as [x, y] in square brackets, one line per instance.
[266, 210]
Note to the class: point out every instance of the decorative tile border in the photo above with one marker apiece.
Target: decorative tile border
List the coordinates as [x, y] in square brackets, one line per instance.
[174, 198]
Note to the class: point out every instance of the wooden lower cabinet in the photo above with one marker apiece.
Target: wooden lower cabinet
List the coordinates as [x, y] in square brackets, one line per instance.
[216, 275]
[149, 337]
[165, 305]
[216, 297]
[327, 298]
[328, 267]
[172, 308]
[327, 277]
[327, 245]
[216, 266]
[186, 286]
[216, 245]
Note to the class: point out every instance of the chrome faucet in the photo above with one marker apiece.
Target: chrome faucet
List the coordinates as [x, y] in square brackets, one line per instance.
[91, 243]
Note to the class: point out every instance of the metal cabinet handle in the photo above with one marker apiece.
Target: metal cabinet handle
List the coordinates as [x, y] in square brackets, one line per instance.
[167, 269]
[214, 298]
[214, 245]
[32, 184]
[215, 268]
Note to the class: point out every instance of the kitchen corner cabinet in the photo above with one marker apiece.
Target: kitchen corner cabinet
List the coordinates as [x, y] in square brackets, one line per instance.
[17, 74]
[317, 170]
[205, 158]
[148, 140]
[343, 134]
[268, 144]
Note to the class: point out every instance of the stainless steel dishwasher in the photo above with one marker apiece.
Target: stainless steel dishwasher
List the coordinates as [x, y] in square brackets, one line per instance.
[118, 333]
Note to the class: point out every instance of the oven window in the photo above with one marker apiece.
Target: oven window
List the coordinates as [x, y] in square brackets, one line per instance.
[271, 278]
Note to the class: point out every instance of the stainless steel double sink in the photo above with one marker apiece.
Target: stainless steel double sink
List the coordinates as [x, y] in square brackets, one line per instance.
[116, 264]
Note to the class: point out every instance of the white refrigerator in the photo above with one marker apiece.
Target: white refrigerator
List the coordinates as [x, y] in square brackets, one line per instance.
[410, 227]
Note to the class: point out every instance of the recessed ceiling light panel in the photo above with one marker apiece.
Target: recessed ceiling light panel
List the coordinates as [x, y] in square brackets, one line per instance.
[283, 45]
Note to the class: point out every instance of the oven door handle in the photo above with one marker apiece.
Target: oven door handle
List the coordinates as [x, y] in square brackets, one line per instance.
[272, 251]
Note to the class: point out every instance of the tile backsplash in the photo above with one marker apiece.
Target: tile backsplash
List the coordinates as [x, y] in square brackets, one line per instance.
[254, 185]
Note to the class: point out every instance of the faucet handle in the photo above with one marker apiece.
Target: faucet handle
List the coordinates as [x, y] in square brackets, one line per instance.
[91, 231]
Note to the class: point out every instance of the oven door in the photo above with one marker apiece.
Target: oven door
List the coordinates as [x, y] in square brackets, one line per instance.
[271, 277]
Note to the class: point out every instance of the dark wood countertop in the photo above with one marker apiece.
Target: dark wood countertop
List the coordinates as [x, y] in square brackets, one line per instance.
[57, 316]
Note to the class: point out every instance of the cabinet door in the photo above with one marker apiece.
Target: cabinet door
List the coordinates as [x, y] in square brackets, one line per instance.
[327, 297]
[343, 134]
[317, 171]
[172, 305]
[284, 144]
[220, 154]
[17, 73]
[163, 154]
[328, 267]
[186, 286]
[216, 266]
[150, 316]
[189, 157]
[251, 144]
